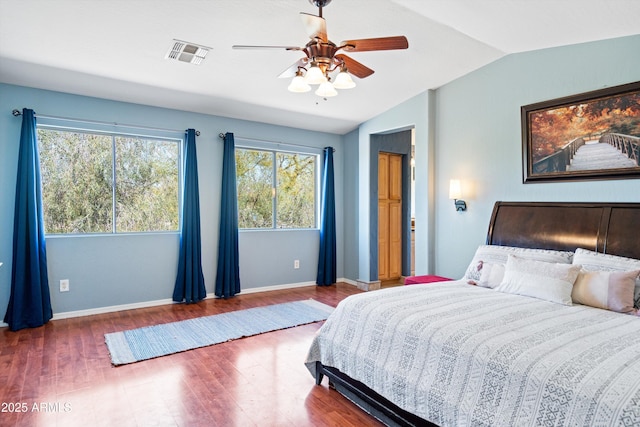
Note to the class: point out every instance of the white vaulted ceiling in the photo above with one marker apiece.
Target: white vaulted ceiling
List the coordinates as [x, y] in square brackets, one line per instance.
[116, 49]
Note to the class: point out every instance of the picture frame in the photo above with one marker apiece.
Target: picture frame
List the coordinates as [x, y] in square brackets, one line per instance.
[561, 137]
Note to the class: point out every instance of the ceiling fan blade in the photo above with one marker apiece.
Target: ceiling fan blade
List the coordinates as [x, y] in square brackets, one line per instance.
[380, 43]
[291, 71]
[357, 69]
[315, 26]
[242, 46]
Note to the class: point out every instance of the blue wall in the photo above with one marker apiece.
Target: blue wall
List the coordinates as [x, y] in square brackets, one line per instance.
[468, 129]
[116, 270]
[415, 113]
[351, 211]
[478, 137]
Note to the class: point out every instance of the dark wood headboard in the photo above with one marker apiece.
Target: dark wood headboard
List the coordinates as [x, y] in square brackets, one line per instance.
[612, 228]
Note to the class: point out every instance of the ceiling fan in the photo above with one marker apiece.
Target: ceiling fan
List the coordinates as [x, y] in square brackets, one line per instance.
[322, 58]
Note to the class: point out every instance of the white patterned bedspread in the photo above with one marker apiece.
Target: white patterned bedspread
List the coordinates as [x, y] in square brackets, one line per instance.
[461, 355]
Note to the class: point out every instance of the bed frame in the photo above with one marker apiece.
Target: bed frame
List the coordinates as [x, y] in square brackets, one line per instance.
[610, 228]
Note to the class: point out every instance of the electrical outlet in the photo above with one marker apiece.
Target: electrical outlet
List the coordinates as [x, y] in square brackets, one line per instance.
[296, 264]
[64, 285]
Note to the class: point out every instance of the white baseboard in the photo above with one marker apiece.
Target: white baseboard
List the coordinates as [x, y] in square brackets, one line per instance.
[271, 288]
[111, 309]
[146, 304]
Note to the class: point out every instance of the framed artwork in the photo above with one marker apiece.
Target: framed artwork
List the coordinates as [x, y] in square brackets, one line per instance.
[593, 135]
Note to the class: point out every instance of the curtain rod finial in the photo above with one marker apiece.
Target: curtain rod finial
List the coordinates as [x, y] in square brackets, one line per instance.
[16, 112]
[221, 135]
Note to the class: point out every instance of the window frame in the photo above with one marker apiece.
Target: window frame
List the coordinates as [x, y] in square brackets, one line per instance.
[114, 131]
[274, 148]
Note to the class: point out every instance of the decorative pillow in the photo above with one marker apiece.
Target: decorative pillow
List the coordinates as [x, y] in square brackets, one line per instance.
[494, 254]
[594, 261]
[539, 279]
[611, 290]
[491, 275]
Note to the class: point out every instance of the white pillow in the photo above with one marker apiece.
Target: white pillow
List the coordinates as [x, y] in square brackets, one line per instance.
[493, 254]
[491, 275]
[539, 279]
[610, 290]
[594, 261]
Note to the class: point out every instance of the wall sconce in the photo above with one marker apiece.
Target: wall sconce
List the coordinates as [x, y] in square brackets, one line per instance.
[455, 193]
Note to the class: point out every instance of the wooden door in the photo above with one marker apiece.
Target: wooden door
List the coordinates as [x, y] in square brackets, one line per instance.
[389, 216]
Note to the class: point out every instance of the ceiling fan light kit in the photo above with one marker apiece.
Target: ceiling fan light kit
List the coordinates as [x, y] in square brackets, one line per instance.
[344, 80]
[322, 58]
[326, 90]
[315, 75]
[299, 84]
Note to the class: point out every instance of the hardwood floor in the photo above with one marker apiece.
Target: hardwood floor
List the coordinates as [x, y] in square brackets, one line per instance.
[61, 374]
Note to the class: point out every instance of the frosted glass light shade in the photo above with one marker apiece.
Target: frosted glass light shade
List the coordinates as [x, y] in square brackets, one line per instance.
[299, 85]
[455, 192]
[315, 76]
[326, 90]
[343, 81]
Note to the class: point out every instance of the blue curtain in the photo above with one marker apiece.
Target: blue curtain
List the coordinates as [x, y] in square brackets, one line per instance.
[228, 274]
[327, 257]
[189, 285]
[30, 301]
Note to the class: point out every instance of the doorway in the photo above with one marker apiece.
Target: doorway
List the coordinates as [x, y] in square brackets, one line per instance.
[395, 143]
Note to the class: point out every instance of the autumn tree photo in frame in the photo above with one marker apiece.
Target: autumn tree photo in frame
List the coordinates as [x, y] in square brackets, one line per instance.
[594, 135]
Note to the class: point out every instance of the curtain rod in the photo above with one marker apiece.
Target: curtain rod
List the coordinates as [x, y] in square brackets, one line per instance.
[17, 113]
[222, 135]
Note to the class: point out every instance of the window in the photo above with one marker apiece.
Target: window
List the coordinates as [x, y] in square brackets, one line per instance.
[276, 189]
[94, 182]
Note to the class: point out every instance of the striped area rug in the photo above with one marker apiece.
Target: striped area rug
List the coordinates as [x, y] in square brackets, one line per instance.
[160, 340]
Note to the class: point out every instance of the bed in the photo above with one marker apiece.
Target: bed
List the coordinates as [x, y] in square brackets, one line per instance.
[461, 353]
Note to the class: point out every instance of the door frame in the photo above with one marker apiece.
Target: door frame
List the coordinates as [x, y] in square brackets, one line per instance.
[397, 142]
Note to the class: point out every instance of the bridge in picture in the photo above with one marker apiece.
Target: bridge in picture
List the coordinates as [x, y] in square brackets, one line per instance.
[610, 151]
[597, 155]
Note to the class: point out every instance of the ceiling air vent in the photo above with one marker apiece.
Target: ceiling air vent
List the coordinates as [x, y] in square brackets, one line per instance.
[187, 52]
